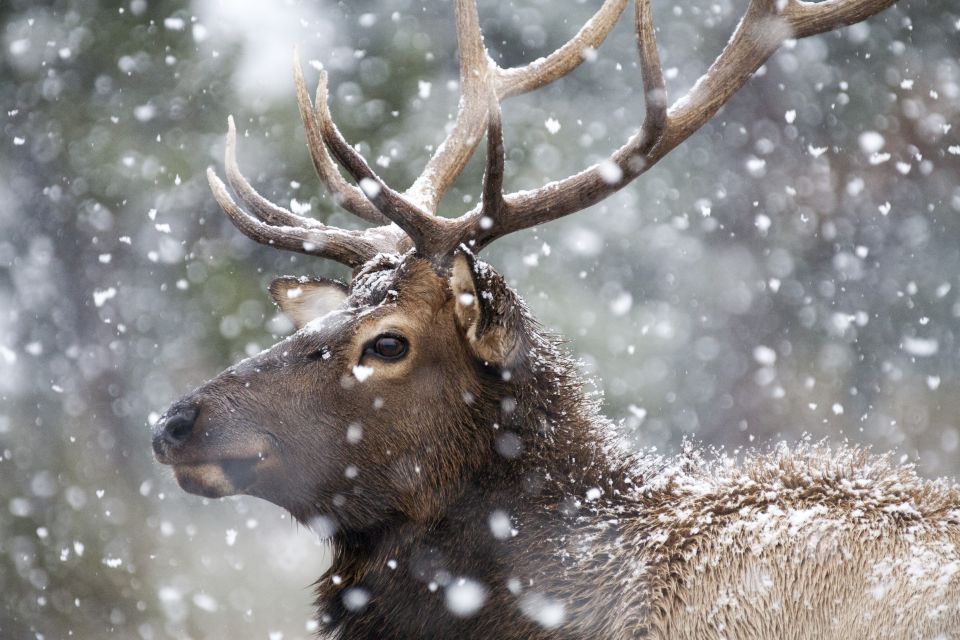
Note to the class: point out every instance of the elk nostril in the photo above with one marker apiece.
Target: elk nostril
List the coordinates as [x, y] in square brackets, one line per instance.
[178, 426]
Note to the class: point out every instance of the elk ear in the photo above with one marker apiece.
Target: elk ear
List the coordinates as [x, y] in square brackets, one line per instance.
[306, 299]
[486, 310]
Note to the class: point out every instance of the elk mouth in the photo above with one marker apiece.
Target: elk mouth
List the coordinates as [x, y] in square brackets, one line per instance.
[219, 478]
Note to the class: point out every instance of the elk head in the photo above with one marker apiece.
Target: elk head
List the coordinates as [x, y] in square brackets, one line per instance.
[360, 414]
[378, 405]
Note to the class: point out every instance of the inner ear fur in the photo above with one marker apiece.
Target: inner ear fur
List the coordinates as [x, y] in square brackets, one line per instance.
[486, 310]
[304, 299]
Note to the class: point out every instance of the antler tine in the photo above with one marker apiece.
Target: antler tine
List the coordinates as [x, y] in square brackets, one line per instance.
[519, 80]
[260, 206]
[484, 223]
[475, 63]
[759, 34]
[345, 194]
[654, 87]
[811, 18]
[421, 226]
[493, 208]
[346, 247]
[476, 70]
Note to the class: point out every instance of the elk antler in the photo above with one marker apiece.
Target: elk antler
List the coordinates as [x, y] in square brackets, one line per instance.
[763, 28]
[483, 86]
[373, 200]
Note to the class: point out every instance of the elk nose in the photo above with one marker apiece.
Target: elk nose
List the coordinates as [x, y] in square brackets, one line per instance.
[175, 428]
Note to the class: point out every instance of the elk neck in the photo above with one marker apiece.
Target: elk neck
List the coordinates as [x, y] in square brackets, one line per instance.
[549, 449]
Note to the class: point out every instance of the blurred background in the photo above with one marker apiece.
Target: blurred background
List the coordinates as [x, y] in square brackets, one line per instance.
[793, 269]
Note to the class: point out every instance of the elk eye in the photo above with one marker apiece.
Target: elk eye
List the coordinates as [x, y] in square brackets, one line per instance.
[388, 347]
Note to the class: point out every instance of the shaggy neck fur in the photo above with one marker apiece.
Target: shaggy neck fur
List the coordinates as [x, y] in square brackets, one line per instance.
[549, 453]
[557, 534]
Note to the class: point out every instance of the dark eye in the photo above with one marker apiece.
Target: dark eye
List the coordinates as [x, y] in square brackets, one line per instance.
[387, 347]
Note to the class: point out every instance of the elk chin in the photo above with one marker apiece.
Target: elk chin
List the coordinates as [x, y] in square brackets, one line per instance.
[217, 479]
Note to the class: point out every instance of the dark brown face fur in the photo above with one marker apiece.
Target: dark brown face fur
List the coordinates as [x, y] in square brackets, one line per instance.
[322, 426]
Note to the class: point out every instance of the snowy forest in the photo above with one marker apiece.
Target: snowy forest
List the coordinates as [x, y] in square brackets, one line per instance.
[791, 271]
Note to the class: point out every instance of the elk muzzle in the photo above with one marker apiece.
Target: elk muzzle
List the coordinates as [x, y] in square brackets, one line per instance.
[203, 463]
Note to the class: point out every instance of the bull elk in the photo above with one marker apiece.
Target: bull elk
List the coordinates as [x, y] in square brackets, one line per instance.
[422, 420]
